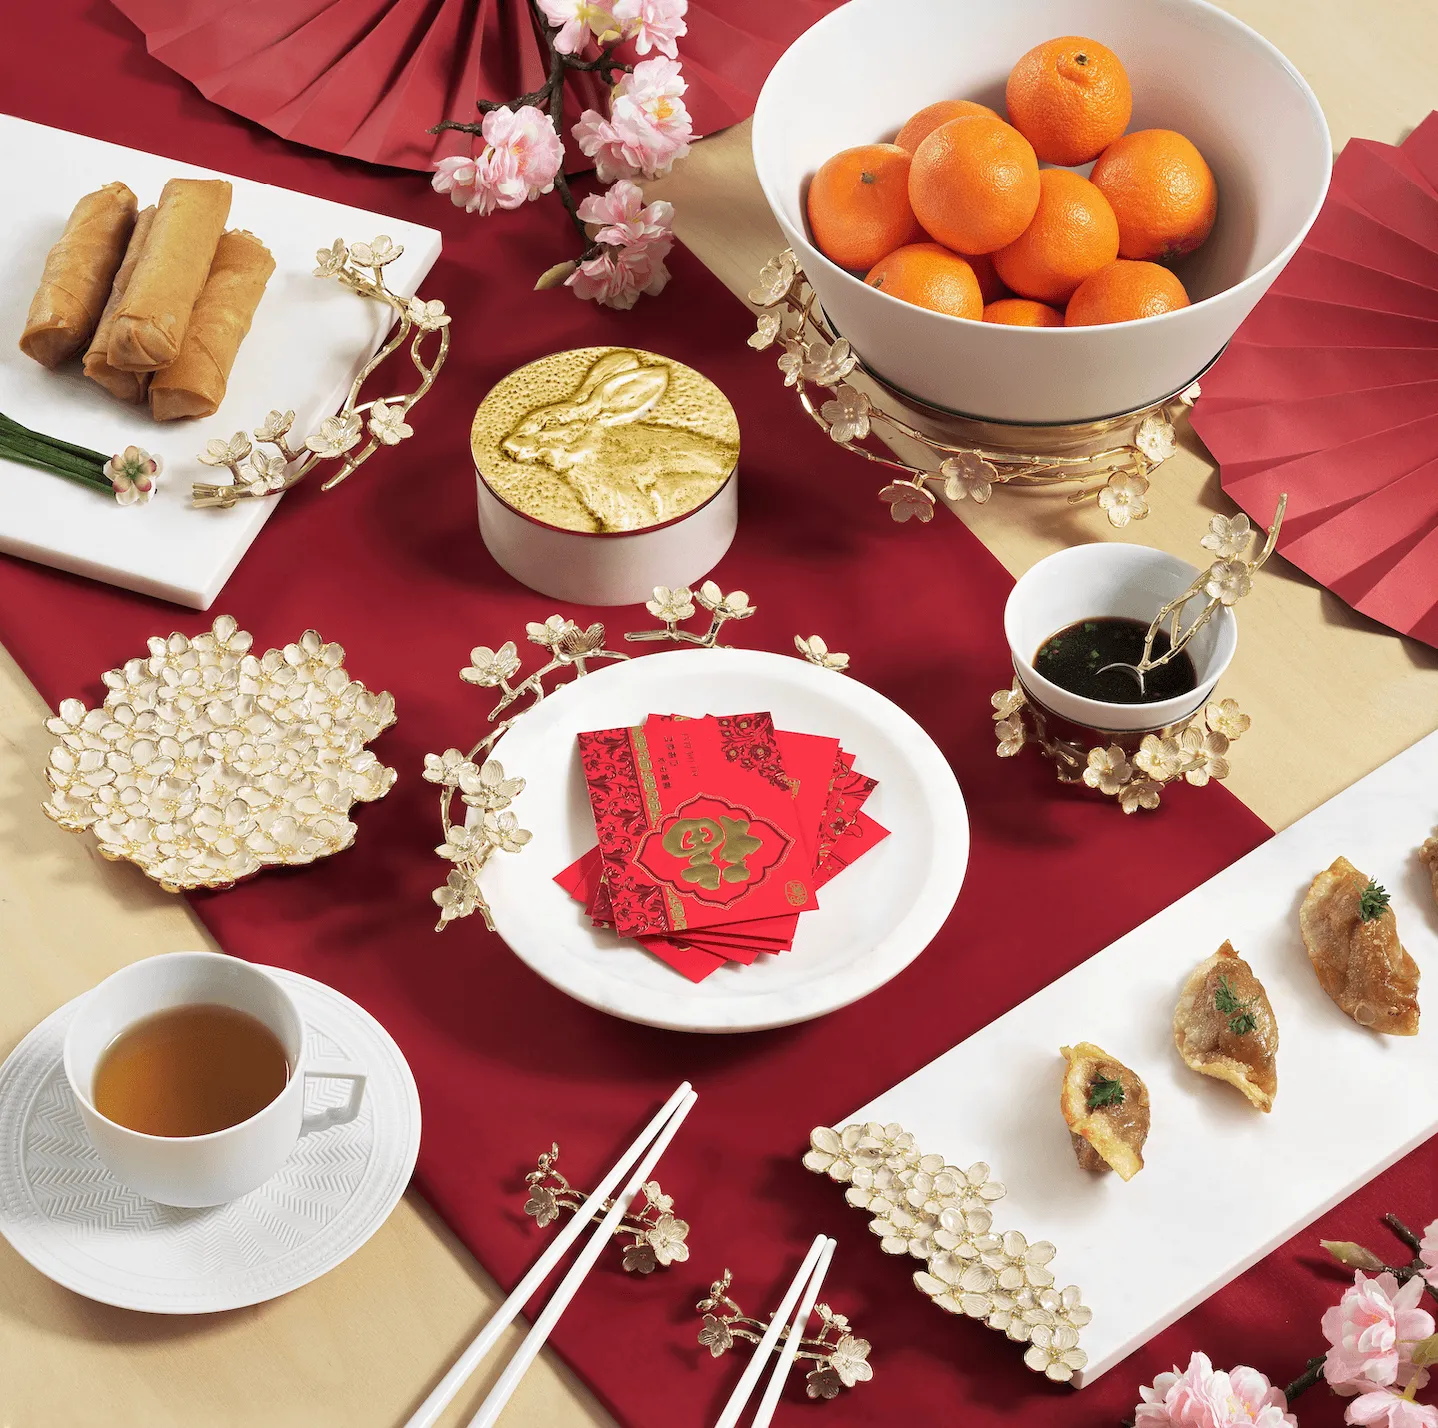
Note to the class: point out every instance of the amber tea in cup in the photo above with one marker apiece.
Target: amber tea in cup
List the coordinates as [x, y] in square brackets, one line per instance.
[190, 1070]
[1075, 659]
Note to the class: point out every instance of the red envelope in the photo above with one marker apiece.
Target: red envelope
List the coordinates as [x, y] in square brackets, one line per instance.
[861, 836]
[696, 825]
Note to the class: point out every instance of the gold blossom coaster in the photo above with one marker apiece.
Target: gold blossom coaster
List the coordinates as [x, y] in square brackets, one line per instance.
[941, 1215]
[206, 763]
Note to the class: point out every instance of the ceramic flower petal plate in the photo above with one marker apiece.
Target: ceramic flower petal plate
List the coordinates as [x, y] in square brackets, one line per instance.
[873, 919]
[206, 763]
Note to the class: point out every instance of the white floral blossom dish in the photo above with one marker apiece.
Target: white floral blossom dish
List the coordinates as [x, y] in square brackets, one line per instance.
[279, 458]
[1108, 463]
[926, 1209]
[840, 1358]
[479, 784]
[654, 1236]
[207, 763]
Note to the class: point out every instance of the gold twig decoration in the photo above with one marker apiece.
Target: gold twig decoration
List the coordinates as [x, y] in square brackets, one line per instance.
[1117, 477]
[485, 787]
[273, 461]
[840, 1358]
[657, 1236]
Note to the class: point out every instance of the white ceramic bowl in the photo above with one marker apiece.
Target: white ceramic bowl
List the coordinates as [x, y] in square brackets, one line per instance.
[857, 75]
[1089, 581]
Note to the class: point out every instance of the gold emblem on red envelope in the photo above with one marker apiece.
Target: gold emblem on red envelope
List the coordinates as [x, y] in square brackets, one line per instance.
[712, 849]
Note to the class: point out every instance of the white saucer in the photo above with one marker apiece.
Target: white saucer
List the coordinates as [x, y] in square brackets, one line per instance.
[873, 919]
[66, 1214]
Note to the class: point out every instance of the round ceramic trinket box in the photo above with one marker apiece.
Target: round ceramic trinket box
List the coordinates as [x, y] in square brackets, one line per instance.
[604, 472]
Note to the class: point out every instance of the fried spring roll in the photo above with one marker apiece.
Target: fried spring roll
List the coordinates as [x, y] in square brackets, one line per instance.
[193, 385]
[128, 386]
[149, 327]
[78, 273]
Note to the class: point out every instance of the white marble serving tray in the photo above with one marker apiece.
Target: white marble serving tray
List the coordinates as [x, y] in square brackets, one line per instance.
[309, 339]
[1223, 1184]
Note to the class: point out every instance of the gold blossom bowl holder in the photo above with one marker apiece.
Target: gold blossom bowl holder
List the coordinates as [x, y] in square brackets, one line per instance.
[840, 1358]
[274, 458]
[481, 784]
[206, 763]
[1088, 456]
[1134, 768]
[943, 1217]
[655, 1237]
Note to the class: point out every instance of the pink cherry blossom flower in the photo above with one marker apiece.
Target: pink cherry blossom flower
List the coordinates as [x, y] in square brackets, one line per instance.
[456, 176]
[577, 21]
[626, 220]
[1391, 1410]
[1428, 1253]
[521, 158]
[615, 277]
[652, 24]
[1372, 1330]
[1204, 1397]
[648, 126]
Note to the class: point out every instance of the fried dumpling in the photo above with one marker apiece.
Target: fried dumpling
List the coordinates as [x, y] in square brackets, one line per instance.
[1428, 856]
[1352, 940]
[1224, 1026]
[1106, 1108]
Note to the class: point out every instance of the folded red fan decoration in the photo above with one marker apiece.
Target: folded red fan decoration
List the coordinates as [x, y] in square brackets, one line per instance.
[1329, 391]
[369, 78]
[715, 834]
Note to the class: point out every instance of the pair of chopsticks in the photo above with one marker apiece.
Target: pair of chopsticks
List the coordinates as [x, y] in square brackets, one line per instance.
[806, 1283]
[653, 1140]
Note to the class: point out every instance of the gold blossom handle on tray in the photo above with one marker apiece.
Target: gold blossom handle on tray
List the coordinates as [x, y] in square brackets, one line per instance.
[840, 1357]
[274, 457]
[481, 784]
[1117, 477]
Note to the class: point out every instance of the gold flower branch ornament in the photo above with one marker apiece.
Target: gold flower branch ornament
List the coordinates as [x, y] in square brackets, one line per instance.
[1193, 751]
[839, 1356]
[656, 1236]
[812, 356]
[274, 457]
[936, 1213]
[481, 784]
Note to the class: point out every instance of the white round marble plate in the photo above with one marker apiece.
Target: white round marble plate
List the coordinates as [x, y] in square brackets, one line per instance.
[873, 919]
[66, 1214]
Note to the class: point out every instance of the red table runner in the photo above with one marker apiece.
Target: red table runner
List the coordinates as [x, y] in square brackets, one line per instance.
[391, 566]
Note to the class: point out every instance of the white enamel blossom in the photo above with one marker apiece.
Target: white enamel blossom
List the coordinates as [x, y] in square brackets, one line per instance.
[377, 253]
[275, 426]
[1155, 437]
[226, 453]
[1226, 538]
[775, 279]
[907, 501]
[428, 316]
[671, 606]
[765, 331]
[490, 668]
[1124, 498]
[847, 414]
[330, 261]
[387, 424]
[337, 435]
[1108, 769]
[817, 652]
[828, 363]
[969, 475]
[1228, 581]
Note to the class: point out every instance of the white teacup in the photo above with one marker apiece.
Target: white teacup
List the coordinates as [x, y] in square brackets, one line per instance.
[1106, 578]
[202, 1169]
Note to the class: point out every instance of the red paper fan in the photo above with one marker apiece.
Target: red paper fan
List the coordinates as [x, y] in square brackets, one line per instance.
[368, 78]
[1329, 391]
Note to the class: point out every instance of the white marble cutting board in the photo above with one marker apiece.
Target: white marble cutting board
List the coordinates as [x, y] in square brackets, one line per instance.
[1223, 1184]
[309, 339]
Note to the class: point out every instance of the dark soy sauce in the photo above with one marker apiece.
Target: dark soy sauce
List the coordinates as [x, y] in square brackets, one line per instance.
[1073, 657]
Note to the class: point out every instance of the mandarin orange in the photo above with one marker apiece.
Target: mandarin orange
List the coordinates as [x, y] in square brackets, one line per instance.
[974, 184]
[859, 205]
[1162, 193]
[922, 124]
[1070, 98]
[1124, 292]
[929, 275]
[1021, 312]
[1073, 235]
[991, 285]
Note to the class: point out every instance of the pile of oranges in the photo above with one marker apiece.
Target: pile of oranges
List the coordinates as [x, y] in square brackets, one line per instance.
[956, 214]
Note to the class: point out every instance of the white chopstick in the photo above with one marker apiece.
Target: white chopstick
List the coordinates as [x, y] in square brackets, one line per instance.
[427, 1414]
[508, 1381]
[745, 1387]
[770, 1401]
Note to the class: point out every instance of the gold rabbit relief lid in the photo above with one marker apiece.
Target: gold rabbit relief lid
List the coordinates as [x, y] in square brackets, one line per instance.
[605, 439]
